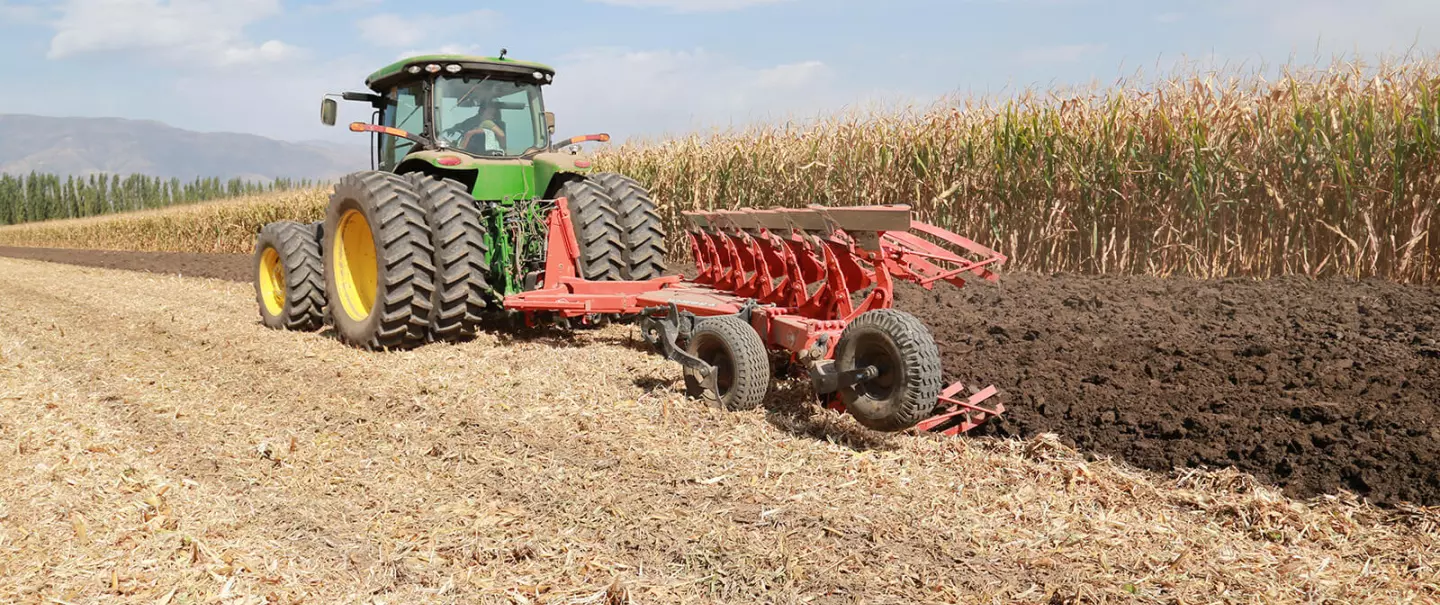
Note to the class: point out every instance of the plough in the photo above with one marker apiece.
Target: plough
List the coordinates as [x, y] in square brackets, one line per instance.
[815, 286]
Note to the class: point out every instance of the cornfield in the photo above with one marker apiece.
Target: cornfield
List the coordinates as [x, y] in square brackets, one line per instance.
[1328, 172]
[1320, 172]
[226, 226]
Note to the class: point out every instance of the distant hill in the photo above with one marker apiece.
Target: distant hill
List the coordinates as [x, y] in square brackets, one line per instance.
[83, 146]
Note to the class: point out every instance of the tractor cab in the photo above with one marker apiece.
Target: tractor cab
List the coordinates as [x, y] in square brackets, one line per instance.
[477, 120]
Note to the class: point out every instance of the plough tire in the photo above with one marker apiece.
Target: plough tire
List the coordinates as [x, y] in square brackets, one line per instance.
[379, 264]
[457, 234]
[289, 277]
[735, 351]
[597, 228]
[640, 226]
[908, 386]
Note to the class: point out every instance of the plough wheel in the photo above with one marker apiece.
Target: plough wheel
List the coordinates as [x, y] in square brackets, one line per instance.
[902, 350]
[289, 279]
[457, 233]
[379, 265]
[737, 355]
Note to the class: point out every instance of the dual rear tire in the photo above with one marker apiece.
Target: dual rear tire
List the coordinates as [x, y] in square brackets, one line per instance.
[399, 261]
[618, 227]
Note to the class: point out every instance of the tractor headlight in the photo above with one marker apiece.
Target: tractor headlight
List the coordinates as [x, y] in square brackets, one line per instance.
[432, 68]
[414, 69]
[454, 69]
[539, 76]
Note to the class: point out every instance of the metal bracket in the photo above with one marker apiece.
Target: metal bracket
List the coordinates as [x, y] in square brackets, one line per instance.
[663, 328]
[827, 379]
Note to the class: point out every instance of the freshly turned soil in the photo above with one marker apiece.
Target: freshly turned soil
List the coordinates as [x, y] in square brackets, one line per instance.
[1314, 386]
[229, 267]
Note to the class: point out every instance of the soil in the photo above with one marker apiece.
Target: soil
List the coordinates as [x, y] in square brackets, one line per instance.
[229, 267]
[1313, 386]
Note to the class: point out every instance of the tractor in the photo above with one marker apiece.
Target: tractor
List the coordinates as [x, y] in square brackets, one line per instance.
[451, 217]
[471, 209]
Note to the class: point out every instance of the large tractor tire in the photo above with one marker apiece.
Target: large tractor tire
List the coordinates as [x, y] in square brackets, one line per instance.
[738, 358]
[290, 282]
[597, 227]
[457, 234]
[640, 226]
[379, 264]
[902, 350]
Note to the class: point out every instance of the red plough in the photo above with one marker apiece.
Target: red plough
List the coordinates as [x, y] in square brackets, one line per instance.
[813, 288]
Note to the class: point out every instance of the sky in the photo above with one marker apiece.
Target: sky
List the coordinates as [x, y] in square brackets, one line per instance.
[646, 69]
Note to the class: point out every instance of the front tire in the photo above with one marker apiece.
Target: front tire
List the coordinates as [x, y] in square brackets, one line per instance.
[379, 262]
[289, 284]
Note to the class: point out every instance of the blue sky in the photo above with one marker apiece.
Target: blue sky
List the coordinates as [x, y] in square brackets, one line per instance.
[647, 68]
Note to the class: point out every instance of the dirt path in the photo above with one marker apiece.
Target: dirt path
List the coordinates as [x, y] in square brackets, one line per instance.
[161, 446]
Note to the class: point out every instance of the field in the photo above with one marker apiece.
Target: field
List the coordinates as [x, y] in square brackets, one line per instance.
[161, 446]
[1312, 386]
[1216, 340]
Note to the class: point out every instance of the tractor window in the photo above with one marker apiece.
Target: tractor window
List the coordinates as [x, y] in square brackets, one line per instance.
[404, 111]
[485, 116]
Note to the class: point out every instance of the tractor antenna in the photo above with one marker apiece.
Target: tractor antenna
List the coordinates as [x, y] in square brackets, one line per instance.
[503, 52]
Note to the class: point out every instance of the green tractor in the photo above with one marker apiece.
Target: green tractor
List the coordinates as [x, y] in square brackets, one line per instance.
[451, 218]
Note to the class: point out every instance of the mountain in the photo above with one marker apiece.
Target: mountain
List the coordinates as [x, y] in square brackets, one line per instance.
[83, 146]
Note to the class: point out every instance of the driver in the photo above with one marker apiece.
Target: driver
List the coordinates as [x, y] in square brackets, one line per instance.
[483, 131]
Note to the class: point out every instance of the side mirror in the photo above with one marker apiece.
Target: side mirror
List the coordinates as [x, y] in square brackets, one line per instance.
[328, 109]
[550, 122]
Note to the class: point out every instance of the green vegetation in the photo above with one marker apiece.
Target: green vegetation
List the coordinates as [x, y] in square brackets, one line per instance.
[40, 197]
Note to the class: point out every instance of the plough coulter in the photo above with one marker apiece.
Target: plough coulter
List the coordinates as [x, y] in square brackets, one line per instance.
[472, 210]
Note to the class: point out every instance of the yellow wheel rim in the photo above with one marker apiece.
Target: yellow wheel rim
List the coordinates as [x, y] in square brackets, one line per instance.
[355, 269]
[272, 282]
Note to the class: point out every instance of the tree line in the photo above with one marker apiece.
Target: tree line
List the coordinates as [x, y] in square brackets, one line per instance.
[41, 197]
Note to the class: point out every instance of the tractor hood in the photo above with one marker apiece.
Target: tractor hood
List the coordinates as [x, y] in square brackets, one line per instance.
[413, 67]
[495, 179]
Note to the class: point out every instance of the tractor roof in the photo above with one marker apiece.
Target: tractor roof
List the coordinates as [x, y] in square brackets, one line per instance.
[395, 72]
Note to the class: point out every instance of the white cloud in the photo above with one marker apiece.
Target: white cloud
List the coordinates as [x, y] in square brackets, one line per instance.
[1343, 26]
[1070, 53]
[446, 49]
[398, 31]
[627, 92]
[338, 6]
[18, 14]
[183, 30]
[691, 6]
